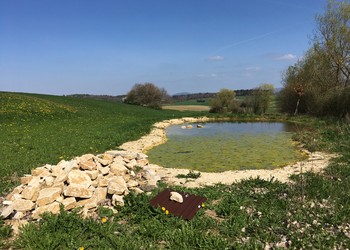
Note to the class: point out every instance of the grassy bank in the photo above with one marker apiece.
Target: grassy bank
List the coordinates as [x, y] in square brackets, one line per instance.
[312, 212]
[40, 129]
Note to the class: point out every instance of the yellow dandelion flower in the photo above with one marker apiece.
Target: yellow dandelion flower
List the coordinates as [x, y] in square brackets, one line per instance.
[81, 248]
[103, 219]
[166, 212]
[163, 208]
[203, 205]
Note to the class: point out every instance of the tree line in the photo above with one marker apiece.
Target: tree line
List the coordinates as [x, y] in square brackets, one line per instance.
[319, 83]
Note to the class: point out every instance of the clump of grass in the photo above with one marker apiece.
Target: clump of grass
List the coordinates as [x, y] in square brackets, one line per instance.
[191, 175]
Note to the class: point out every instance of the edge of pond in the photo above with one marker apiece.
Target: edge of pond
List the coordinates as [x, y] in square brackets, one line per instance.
[315, 162]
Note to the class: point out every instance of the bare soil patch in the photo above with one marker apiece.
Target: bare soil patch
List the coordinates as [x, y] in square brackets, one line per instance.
[187, 107]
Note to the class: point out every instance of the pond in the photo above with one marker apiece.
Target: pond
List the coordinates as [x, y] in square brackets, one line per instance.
[222, 146]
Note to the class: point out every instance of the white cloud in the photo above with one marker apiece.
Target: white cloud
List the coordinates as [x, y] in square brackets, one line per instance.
[215, 58]
[287, 57]
[253, 68]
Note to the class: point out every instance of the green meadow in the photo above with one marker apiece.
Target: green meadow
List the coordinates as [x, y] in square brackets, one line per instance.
[312, 212]
[42, 129]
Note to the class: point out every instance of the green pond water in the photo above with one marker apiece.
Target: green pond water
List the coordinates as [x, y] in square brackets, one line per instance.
[227, 146]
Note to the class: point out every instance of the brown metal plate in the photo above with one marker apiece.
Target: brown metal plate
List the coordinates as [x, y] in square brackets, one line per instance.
[186, 210]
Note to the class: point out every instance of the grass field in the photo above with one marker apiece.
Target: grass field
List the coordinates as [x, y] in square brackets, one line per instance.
[313, 212]
[40, 129]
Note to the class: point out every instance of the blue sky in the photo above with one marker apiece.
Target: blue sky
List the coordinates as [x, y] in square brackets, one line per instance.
[106, 46]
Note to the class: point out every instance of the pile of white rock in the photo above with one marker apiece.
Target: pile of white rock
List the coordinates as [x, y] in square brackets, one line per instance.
[87, 181]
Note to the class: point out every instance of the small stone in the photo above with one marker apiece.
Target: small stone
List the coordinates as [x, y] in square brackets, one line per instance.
[175, 196]
[19, 215]
[48, 195]
[40, 171]
[30, 193]
[117, 200]
[77, 177]
[87, 203]
[142, 162]
[132, 183]
[103, 181]
[116, 185]
[52, 208]
[26, 179]
[131, 164]
[118, 169]
[92, 174]
[69, 203]
[49, 180]
[100, 193]
[77, 191]
[103, 170]
[35, 181]
[7, 211]
[149, 186]
[16, 190]
[22, 205]
[86, 162]
[136, 190]
[57, 170]
[62, 177]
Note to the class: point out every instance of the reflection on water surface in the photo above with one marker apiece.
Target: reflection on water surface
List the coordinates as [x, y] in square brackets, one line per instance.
[227, 146]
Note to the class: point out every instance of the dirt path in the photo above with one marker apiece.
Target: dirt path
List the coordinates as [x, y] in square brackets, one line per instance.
[316, 162]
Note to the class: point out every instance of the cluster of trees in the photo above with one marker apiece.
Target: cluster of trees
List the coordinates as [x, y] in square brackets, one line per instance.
[319, 83]
[256, 102]
[148, 95]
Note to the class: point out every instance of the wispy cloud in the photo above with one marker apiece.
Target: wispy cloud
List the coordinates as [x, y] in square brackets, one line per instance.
[286, 57]
[215, 58]
[254, 68]
[207, 75]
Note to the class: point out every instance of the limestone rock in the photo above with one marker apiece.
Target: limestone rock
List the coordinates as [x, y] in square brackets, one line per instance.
[103, 170]
[136, 190]
[35, 181]
[16, 190]
[87, 162]
[7, 211]
[132, 183]
[62, 177]
[53, 208]
[118, 169]
[100, 193]
[30, 193]
[87, 203]
[22, 205]
[77, 177]
[40, 171]
[175, 196]
[77, 191]
[18, 215]
[49, 181]
[69, 203]
[48, 195]
[117, 200]
[92, 174]
[57, 170]
[116, 185]
[149, 186]
[26, 179]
